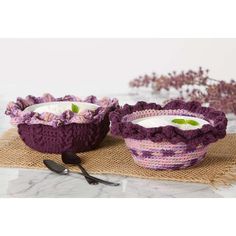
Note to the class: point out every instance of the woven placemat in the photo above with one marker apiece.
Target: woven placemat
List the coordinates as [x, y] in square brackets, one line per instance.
[219, 166]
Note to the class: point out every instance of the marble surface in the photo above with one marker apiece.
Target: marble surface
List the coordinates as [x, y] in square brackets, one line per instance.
[35, 183]
[26, 183]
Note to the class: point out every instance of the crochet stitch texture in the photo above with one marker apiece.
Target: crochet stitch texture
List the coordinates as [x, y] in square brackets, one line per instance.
[122, 126]
[168, 147]
[50, 133]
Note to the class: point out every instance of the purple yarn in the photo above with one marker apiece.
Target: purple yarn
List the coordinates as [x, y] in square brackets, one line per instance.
[205, 135]
[18, 116]
[146, 154]
[167, 153]
[71, 137]
[50, 133]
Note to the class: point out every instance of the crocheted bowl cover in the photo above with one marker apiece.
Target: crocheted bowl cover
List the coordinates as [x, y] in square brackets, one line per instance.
[167, 148]
[50, 133]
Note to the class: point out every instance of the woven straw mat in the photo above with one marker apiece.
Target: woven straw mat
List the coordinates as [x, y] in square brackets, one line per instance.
[219, 166]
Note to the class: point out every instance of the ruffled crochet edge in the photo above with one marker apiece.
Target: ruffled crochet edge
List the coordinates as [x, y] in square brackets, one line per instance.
[209, 133]
[18, 116]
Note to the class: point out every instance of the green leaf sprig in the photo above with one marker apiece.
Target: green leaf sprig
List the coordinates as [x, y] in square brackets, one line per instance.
[74, 108]
[185, 122]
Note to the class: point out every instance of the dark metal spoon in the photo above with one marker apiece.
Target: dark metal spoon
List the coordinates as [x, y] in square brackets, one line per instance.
[67, 158]
[72, 158]
[59, 169]
[53, 166]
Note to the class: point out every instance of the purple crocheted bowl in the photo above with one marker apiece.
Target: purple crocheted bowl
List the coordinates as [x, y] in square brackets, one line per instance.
[50, 133]
[168, 147]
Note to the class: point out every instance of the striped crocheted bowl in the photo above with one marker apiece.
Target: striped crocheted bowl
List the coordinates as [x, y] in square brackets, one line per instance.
[50, 133]
[168, 147]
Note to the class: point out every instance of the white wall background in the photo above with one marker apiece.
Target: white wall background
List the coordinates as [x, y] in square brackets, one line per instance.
[103, 66]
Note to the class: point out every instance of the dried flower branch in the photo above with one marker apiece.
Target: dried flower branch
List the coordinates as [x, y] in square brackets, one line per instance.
[193, 85]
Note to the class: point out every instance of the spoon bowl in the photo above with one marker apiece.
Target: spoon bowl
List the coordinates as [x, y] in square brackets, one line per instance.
[59, 169]
[55, 167]
[70, 158]
[74, 159]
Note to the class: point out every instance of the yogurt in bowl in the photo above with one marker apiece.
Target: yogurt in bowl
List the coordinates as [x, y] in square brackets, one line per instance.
[59, 107]
[55, 125]
[181, 122]
[172, 137]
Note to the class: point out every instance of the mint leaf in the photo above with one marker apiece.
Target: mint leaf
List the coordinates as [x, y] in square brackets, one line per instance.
[192, 122]
[74, 108]
[179, 121]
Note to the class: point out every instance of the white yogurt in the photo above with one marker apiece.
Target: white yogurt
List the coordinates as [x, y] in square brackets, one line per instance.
[58, 108]
[165, 120]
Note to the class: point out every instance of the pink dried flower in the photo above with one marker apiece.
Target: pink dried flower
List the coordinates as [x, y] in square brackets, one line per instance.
[218, 94]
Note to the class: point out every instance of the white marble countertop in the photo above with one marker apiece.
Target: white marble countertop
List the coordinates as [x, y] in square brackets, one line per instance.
[41, 183]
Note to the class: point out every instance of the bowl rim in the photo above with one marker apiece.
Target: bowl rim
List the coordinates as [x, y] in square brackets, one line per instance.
[18, 114]
[29, 108]
[205, 135]
[182, 116]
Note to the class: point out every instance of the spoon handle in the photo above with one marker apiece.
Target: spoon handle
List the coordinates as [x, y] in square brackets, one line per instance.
[86, 174]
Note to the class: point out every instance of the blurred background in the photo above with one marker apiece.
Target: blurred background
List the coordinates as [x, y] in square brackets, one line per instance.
[103, 67]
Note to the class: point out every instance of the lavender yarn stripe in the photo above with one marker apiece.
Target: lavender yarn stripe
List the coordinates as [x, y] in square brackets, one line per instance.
[209, 133]
[18, 116]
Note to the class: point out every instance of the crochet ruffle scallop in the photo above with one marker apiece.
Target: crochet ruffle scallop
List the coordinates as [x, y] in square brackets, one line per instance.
[209, 133]
[50, 133]
[18, 116]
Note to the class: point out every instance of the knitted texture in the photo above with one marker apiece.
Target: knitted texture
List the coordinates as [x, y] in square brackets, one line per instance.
[122, 125]
[16, 110]
[50, 133]
[164, 155]
[167, 148]
[112, 157]
[72, 137]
